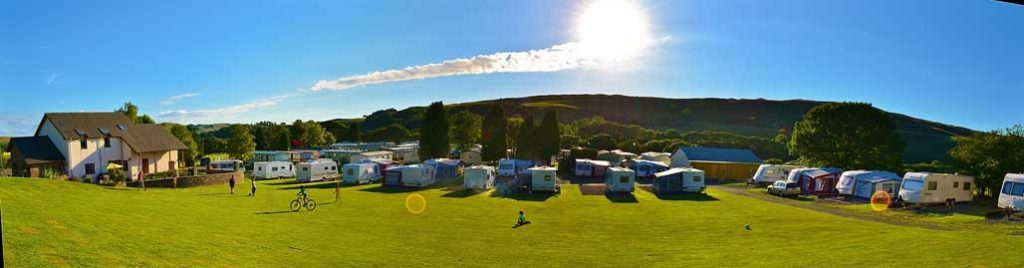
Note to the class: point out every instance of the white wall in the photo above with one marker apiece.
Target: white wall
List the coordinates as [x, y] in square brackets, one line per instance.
[95, 153]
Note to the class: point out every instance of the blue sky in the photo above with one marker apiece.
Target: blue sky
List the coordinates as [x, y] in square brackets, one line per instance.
[957, 62]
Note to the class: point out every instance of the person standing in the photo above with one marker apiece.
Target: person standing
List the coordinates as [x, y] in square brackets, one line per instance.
[231, 183]
[253, 191]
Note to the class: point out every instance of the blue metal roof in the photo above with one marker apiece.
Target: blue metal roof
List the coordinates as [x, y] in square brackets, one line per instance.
[720, 154]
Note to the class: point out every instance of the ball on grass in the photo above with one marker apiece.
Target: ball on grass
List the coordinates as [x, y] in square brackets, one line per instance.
[747, 227]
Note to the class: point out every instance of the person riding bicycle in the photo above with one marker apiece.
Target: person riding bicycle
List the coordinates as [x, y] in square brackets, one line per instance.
[302, 192]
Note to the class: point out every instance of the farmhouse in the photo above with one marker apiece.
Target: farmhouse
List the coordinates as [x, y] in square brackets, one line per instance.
[82, 144]
[718, 163]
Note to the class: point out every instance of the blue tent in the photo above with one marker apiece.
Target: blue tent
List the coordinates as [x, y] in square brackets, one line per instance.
[444, 168]
[865, 188]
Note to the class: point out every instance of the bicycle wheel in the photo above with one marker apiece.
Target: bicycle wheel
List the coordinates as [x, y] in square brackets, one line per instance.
[310, 205]
[296, 205]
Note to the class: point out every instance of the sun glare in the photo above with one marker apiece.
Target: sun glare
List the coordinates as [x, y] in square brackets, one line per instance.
[613, 30]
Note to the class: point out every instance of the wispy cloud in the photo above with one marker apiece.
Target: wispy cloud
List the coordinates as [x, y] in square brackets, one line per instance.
[54, 79]
[208, 115]
[561, 57]
[176, 98]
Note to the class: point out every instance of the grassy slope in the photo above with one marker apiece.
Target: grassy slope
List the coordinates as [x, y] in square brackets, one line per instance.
[52, 222]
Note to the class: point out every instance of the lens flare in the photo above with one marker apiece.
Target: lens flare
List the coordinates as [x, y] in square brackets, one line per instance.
[880, 201]
[415, 203]
[613, 30]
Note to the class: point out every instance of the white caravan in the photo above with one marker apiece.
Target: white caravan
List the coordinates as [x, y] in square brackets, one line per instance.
[479, 177]
[768, 174]
[316, 170]
[273, 170]
[1012, 195]
[359, 173]
[848, 181]
[936, 188]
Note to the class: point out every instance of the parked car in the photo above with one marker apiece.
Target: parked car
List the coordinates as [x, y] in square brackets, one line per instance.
[783, 188]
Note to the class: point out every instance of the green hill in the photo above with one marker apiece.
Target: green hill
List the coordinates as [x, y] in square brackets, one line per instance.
[926, 140]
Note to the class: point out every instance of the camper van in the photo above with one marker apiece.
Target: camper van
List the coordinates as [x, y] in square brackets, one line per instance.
[316, 170]
[768, 174]
[359, 173]
[226, 166]
[544, 179]
[1012, 195]
[479, 177]
[619, 180]
[273, 170]
[936, 188]
[864, 183]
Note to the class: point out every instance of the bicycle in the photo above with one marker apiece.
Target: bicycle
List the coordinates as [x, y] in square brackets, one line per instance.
[300, 203]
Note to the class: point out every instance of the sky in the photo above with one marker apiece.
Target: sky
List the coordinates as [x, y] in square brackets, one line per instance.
[956, 62]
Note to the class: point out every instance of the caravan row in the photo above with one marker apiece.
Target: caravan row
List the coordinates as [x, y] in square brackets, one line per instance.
[912, 188]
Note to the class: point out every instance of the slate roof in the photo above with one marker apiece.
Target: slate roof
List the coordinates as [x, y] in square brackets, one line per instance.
[141, 138]
[36, 150]
[720, 154]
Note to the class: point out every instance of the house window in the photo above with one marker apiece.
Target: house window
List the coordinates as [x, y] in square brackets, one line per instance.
[967, 186]
[106, 142]
[171, 165]
[933, 185]
[83, 143]
[90, 169]
[697, 178]
[956, 184]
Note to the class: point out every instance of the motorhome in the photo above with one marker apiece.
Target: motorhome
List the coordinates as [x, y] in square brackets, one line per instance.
[1011, 197]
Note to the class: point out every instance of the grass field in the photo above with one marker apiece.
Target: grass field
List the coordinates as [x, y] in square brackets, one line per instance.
[47, 222]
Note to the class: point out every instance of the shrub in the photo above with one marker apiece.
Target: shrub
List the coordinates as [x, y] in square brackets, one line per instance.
[116, 176]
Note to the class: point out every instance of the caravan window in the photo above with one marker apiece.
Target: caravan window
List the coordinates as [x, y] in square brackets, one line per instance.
[547, 177]
[696, 178]
[1018, 189]
[259, 168]
[334, 168]
[967, 186]
[1006, 187]
[956, 184]
[273, 169]
[912, 185]
[305, 169]
[933, 185]
[624, 179]
[350, 171]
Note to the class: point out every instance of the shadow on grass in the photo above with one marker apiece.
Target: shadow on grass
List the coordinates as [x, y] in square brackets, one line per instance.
[463, 193]
[395, 189]
[621, 198]
[316, 185]
[679, 196]
[273, 212]
[524, 196]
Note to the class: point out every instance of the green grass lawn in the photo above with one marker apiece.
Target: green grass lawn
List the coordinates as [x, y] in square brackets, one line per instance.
[47, 223]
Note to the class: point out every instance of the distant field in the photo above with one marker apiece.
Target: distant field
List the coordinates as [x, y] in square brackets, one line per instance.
[48, 223]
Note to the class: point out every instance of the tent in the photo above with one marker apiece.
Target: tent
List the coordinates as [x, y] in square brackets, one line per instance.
[815, 180]
[647, 168]
[393, 176]
[356, 173]
[479, 177]
[512, 167]
[678, 180]
[849, 180]
[868, 187]
[591, 168]
[444, 168]
[620, 180]
[417, 176]
[544, 179]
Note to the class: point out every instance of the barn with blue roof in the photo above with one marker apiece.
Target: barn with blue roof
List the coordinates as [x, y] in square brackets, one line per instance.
[718, 163]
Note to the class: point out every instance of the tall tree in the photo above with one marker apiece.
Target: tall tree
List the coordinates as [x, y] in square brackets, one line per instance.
[513, 127]
[548, 136]
[494, 134]
[241, 143]
[298, 132]
[434, 132]
[465, 129]
[280, 137]
[524, 140]
[847, 136]
[131, 111]
[354, 133]
[185, 136]
[393, 133]
[601, 142]
[315, 135]
[990, 155]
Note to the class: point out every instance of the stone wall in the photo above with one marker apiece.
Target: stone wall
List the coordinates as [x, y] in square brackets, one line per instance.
[193, 181]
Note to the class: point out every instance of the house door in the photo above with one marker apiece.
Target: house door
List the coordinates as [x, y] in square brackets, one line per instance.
[145, 166]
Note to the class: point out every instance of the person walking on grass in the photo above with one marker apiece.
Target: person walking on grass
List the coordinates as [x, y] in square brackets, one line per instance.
[253, 191]
[231, 183]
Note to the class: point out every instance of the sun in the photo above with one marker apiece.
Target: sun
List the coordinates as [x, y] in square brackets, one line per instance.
[613, 30]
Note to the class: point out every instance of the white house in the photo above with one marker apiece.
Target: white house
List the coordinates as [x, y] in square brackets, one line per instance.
[89, 141]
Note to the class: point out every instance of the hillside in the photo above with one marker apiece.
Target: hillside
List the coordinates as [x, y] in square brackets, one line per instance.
[926, 140]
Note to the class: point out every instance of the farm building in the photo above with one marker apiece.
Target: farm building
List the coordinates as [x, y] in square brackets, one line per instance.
[270, 156]
[444, 168]
[862, 183]
[406, 152]
[591, 168]
[719, 163]
[657, 156]
[339, 156]
[382, 155]
[472, 156]
[358, 173]
[1011, 197]
[87, 142]
[410, 175]
[815, 180]
[508, 167]
[936, 188]
[647, 168]
[768, 174]
[615, 157]
[273, 170]
[479, 177]
[316, 170]
[543, 179]
[620, 180]
[679, 180]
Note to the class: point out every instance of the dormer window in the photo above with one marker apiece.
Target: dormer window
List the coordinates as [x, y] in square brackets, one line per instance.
[84, 144]
[121, 126]
[106, 137]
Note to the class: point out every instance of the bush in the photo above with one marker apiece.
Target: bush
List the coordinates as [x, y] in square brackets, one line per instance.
[116, 176]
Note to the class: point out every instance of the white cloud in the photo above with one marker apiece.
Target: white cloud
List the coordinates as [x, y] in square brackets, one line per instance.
[54, 79]
[215, 114]
[176, 98]
[557, 58]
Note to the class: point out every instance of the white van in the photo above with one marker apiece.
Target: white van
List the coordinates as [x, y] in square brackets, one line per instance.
[936, 188]
[1012, 195]
[273, 170]
[768, 174]
[316, 170]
